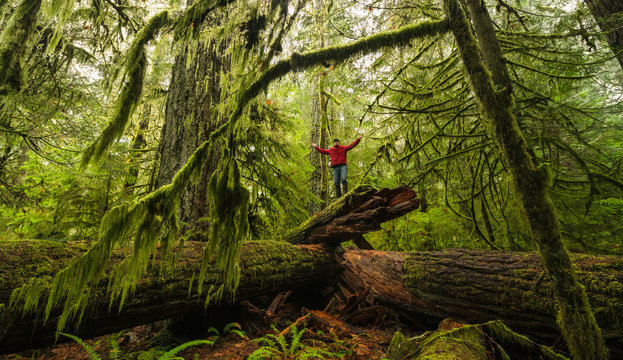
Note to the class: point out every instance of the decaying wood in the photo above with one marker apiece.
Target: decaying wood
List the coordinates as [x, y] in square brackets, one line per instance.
[274, 305]
[268, 268]
[360, 211]
[327, 322]
[478, 286]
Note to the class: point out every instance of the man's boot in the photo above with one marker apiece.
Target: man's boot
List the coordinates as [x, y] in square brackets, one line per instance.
[345, 185]
[338, 191]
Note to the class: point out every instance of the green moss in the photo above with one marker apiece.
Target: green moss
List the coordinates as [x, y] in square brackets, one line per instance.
[135, 65]
[467, 342]
[13, 41]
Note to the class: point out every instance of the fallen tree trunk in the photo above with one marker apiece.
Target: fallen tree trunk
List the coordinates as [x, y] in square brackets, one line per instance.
[360, 211]
[471, 285]
[268, 268]
[478, 286]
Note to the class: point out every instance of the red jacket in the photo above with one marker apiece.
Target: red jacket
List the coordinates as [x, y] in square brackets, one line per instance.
[338, 153]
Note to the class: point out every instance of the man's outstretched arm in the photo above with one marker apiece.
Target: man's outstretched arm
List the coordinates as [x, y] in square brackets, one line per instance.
[354, 142]
[322, 151]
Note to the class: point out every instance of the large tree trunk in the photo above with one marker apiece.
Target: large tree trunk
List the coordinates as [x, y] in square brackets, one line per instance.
[471, 285]
[360, 211]
[609, 17]
[478, 286]
[268, 268]
[190, 116]
[492, 87]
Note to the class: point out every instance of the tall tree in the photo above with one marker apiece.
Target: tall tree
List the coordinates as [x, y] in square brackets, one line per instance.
[190, 116]
[319, 126]
[493, 89]
[609, 17]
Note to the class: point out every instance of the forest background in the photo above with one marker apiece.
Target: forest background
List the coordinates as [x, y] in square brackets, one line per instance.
[136, 123]
[421, 122]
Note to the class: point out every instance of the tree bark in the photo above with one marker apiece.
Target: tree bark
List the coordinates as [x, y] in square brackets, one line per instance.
[609, 17]
[268, 268]
[492, 87]
[359, 212]
[190, 116]
[477, 286]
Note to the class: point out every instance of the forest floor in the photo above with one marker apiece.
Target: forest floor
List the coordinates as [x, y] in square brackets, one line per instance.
[326, 337]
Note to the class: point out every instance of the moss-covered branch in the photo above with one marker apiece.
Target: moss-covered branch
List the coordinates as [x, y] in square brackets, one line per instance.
[13, 40]
[136, 63]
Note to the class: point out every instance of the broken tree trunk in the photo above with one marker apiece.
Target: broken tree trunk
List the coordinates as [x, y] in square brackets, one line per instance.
[268, 268]
[360, 211]
[478, 286]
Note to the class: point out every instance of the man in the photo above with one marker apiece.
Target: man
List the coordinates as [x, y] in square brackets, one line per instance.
[338, 163]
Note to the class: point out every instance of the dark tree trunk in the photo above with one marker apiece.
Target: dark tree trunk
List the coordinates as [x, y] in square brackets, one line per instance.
[476, 286]
[268, 268]
[492, 87]
[190, 116]
[609, 17]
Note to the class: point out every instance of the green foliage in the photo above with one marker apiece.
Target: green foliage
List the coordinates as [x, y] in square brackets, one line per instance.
[13, 40]
[93, 355]
[229, 228]
[278, 347]
[114, 352]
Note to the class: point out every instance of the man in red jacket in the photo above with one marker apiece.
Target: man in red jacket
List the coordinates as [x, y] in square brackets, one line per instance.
[338, 162]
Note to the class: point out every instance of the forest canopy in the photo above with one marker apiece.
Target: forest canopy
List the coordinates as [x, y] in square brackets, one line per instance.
[144, 124]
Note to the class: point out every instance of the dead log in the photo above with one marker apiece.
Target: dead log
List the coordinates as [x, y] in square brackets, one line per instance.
[478, 286]
[268, 268]
[457, 341]
[360, 211]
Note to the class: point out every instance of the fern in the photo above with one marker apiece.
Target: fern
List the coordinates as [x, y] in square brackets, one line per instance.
[169, 355]
[88, 348]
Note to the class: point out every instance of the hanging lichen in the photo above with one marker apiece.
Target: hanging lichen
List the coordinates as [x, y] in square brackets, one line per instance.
[229, 227]
[13, 40]
[136, 63]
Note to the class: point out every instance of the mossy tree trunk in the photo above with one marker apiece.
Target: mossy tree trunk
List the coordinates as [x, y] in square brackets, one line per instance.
[492, 87]
[190, 117]
[609, 17]
[319, 100]
[476, 286]
[268, 268]
[360, 211]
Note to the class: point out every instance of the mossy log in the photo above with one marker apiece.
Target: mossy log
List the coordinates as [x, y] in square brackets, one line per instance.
[268, 268]
[358, 212]
[478, 286]
[456, 341]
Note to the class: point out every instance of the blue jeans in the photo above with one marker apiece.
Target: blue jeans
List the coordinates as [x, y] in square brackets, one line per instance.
[339, 174]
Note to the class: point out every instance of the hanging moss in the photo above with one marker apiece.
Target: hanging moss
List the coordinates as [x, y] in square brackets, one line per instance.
[229, 205]
[13, 41]
[135, 66]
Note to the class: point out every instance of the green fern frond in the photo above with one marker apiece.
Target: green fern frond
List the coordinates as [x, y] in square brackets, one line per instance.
[88, 348]
[169, 355]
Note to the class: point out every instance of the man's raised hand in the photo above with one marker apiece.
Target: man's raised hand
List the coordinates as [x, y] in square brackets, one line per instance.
[360, 136]
[314, 144]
